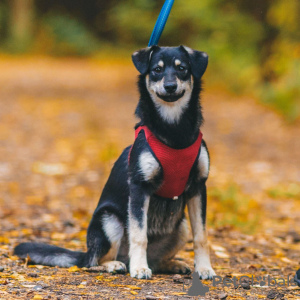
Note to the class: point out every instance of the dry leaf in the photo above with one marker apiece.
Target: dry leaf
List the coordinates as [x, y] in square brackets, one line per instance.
[73, 269]
[134, 293]
[38, 297]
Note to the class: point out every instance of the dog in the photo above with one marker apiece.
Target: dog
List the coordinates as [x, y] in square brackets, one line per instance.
[139, 222]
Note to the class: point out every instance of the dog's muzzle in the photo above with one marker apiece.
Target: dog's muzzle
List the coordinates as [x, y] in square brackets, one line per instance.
[170, 97]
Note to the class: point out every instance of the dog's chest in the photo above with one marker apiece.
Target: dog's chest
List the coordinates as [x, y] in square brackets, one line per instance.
[164, 215]
[176, 164]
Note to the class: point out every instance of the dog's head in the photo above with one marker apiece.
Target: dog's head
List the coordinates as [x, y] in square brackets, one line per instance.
[170, 71]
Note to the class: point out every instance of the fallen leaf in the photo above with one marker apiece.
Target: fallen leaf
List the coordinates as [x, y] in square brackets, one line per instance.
[220, 251]
[38, 297]
[73, 269]
[133, 287]
[134, 293]
[178, 293]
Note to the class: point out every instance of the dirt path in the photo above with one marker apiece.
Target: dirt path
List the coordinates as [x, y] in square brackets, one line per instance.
[63, 124]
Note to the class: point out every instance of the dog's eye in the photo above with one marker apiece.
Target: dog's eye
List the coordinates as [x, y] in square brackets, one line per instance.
[158, 69]
[181, 68]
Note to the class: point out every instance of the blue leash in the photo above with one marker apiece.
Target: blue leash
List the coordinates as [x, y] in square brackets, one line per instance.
[161, 22]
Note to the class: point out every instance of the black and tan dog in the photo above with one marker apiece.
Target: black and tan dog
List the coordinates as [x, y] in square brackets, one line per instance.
[140, 221]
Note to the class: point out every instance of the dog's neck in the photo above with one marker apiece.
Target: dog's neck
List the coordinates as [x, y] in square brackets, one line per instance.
[179, 134]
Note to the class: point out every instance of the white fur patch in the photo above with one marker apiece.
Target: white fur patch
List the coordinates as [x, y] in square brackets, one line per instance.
[141, 273]
[114, 232]
[138, 242]
[161, 63]
[148, 165]
[112, 228]
[203, 163]
[171, 112]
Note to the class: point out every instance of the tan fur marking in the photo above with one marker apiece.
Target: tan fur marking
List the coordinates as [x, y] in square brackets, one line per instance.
[177, 62]
[189, 50]
[201, 250]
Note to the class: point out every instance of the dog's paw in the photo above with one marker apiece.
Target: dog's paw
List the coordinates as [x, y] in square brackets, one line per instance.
[174, 267]
[141, 273]
[114, 266]
[206, 273]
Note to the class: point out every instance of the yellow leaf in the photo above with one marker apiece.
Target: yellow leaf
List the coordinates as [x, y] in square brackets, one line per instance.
[36, 266]
[38, 297]
[178, 294]
[33, 200]
[73, 269]
[134, 293]
[133, 287]
[14, 233]
[58, 236]
[26, 231]
[14, 257]
[4, 240]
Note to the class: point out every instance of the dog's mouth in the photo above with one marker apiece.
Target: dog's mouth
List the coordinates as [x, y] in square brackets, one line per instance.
[171, 97]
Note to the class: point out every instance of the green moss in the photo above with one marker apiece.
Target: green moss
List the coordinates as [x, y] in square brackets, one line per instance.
[290, 191]
[231, 207]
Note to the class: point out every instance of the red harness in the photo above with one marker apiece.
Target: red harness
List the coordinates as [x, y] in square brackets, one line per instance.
[176, 163]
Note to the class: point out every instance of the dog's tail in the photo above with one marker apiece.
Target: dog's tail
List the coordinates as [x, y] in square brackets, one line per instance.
[43, 254]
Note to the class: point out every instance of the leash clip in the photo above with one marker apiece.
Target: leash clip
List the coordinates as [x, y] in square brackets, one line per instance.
[175, 198]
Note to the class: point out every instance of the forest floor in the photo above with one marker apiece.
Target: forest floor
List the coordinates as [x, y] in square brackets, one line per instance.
[63, 124]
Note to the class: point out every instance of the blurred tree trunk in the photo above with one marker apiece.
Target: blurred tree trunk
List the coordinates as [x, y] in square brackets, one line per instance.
[21, 23]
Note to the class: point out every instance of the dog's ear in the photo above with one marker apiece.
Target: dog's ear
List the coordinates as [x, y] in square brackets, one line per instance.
[198, 61]
[141, 58]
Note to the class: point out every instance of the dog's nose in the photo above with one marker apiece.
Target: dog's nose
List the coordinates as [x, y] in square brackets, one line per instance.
[170, 87]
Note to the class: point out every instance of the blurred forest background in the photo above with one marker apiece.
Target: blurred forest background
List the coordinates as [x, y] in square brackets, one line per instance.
[67, 99]
[254, 46]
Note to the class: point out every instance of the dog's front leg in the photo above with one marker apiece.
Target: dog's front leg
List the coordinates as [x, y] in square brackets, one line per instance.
[138, 209]
[197, 213]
